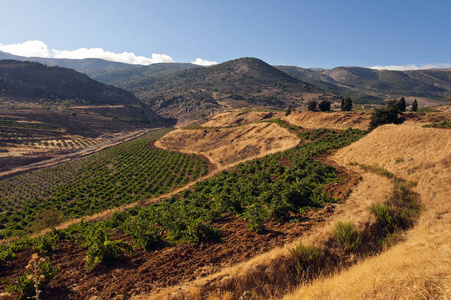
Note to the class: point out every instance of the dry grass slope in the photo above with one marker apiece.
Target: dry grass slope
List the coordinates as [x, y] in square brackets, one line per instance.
[332, 120]
[229, 146]
[240, 118]
[419, 267]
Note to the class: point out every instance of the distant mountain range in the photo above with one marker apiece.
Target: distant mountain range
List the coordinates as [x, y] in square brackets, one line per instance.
[184, 91]
[369, 85]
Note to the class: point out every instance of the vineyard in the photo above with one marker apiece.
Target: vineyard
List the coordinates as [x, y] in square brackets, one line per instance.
[122, 174]
[277, 189]
[39, 136]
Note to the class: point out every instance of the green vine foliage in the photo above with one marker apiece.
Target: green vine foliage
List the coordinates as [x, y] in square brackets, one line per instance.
[101, 249]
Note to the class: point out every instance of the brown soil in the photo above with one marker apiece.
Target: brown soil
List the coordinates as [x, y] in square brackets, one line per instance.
[172, 265]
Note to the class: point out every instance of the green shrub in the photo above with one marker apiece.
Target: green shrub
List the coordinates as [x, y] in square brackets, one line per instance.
[101, 249]
[201, 231]
[49, 241]
[441, 124]
[347, 236]
[143, 233]
[308, 261]
[391, 114]
[256, 217]
[385, 214]
[6, 254]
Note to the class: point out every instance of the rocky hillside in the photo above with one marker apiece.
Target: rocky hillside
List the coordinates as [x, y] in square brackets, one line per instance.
[369, 86]
[49, 86]
[198, 92]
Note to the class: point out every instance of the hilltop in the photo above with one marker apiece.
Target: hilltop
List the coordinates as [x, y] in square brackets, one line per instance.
[199, 92]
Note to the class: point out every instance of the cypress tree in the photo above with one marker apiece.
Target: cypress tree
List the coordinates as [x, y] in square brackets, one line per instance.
[402, 104]
[414, 105]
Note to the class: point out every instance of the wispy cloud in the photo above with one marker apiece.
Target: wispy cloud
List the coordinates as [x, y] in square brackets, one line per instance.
[412, 67]
[39, 49]
[203, 62]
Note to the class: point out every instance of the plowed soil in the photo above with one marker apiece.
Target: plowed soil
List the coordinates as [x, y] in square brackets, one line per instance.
[172, 265]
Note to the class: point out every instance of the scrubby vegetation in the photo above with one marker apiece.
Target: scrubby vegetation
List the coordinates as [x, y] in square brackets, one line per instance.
[441, 124]
[390, 114]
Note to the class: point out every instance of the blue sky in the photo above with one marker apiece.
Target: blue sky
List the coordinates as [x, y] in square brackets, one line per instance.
[327, 34]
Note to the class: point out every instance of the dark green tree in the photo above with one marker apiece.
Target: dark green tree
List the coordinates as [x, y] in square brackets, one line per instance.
[311, 105]
[402, 104]
[324, 105]
[346, 104]
[414, 105]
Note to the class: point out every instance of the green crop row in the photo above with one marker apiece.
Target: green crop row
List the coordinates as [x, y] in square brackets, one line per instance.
[119, 175]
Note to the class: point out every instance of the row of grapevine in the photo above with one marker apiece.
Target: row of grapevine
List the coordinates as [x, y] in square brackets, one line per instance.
[123, 174]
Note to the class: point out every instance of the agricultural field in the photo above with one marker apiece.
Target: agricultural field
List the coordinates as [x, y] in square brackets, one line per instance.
[123, 174]
[31, 133]
[257, 229]
[268, 200]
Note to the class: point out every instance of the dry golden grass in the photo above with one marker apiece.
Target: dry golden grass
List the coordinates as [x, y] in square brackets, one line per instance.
[331, 120]
[419, 267]
[240, 118]
[229, 146]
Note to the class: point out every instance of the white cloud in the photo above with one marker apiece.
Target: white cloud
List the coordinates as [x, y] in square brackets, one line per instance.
[203, 62]
[412, 67]
[124, 57]
[40, 49]
[27, 49]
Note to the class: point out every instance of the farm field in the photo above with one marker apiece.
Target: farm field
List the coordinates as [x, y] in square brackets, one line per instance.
[210, 218]
[126, 173]
[33, 133]
[242, 230]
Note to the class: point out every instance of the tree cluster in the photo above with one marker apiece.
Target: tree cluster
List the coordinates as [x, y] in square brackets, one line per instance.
[390, 114]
